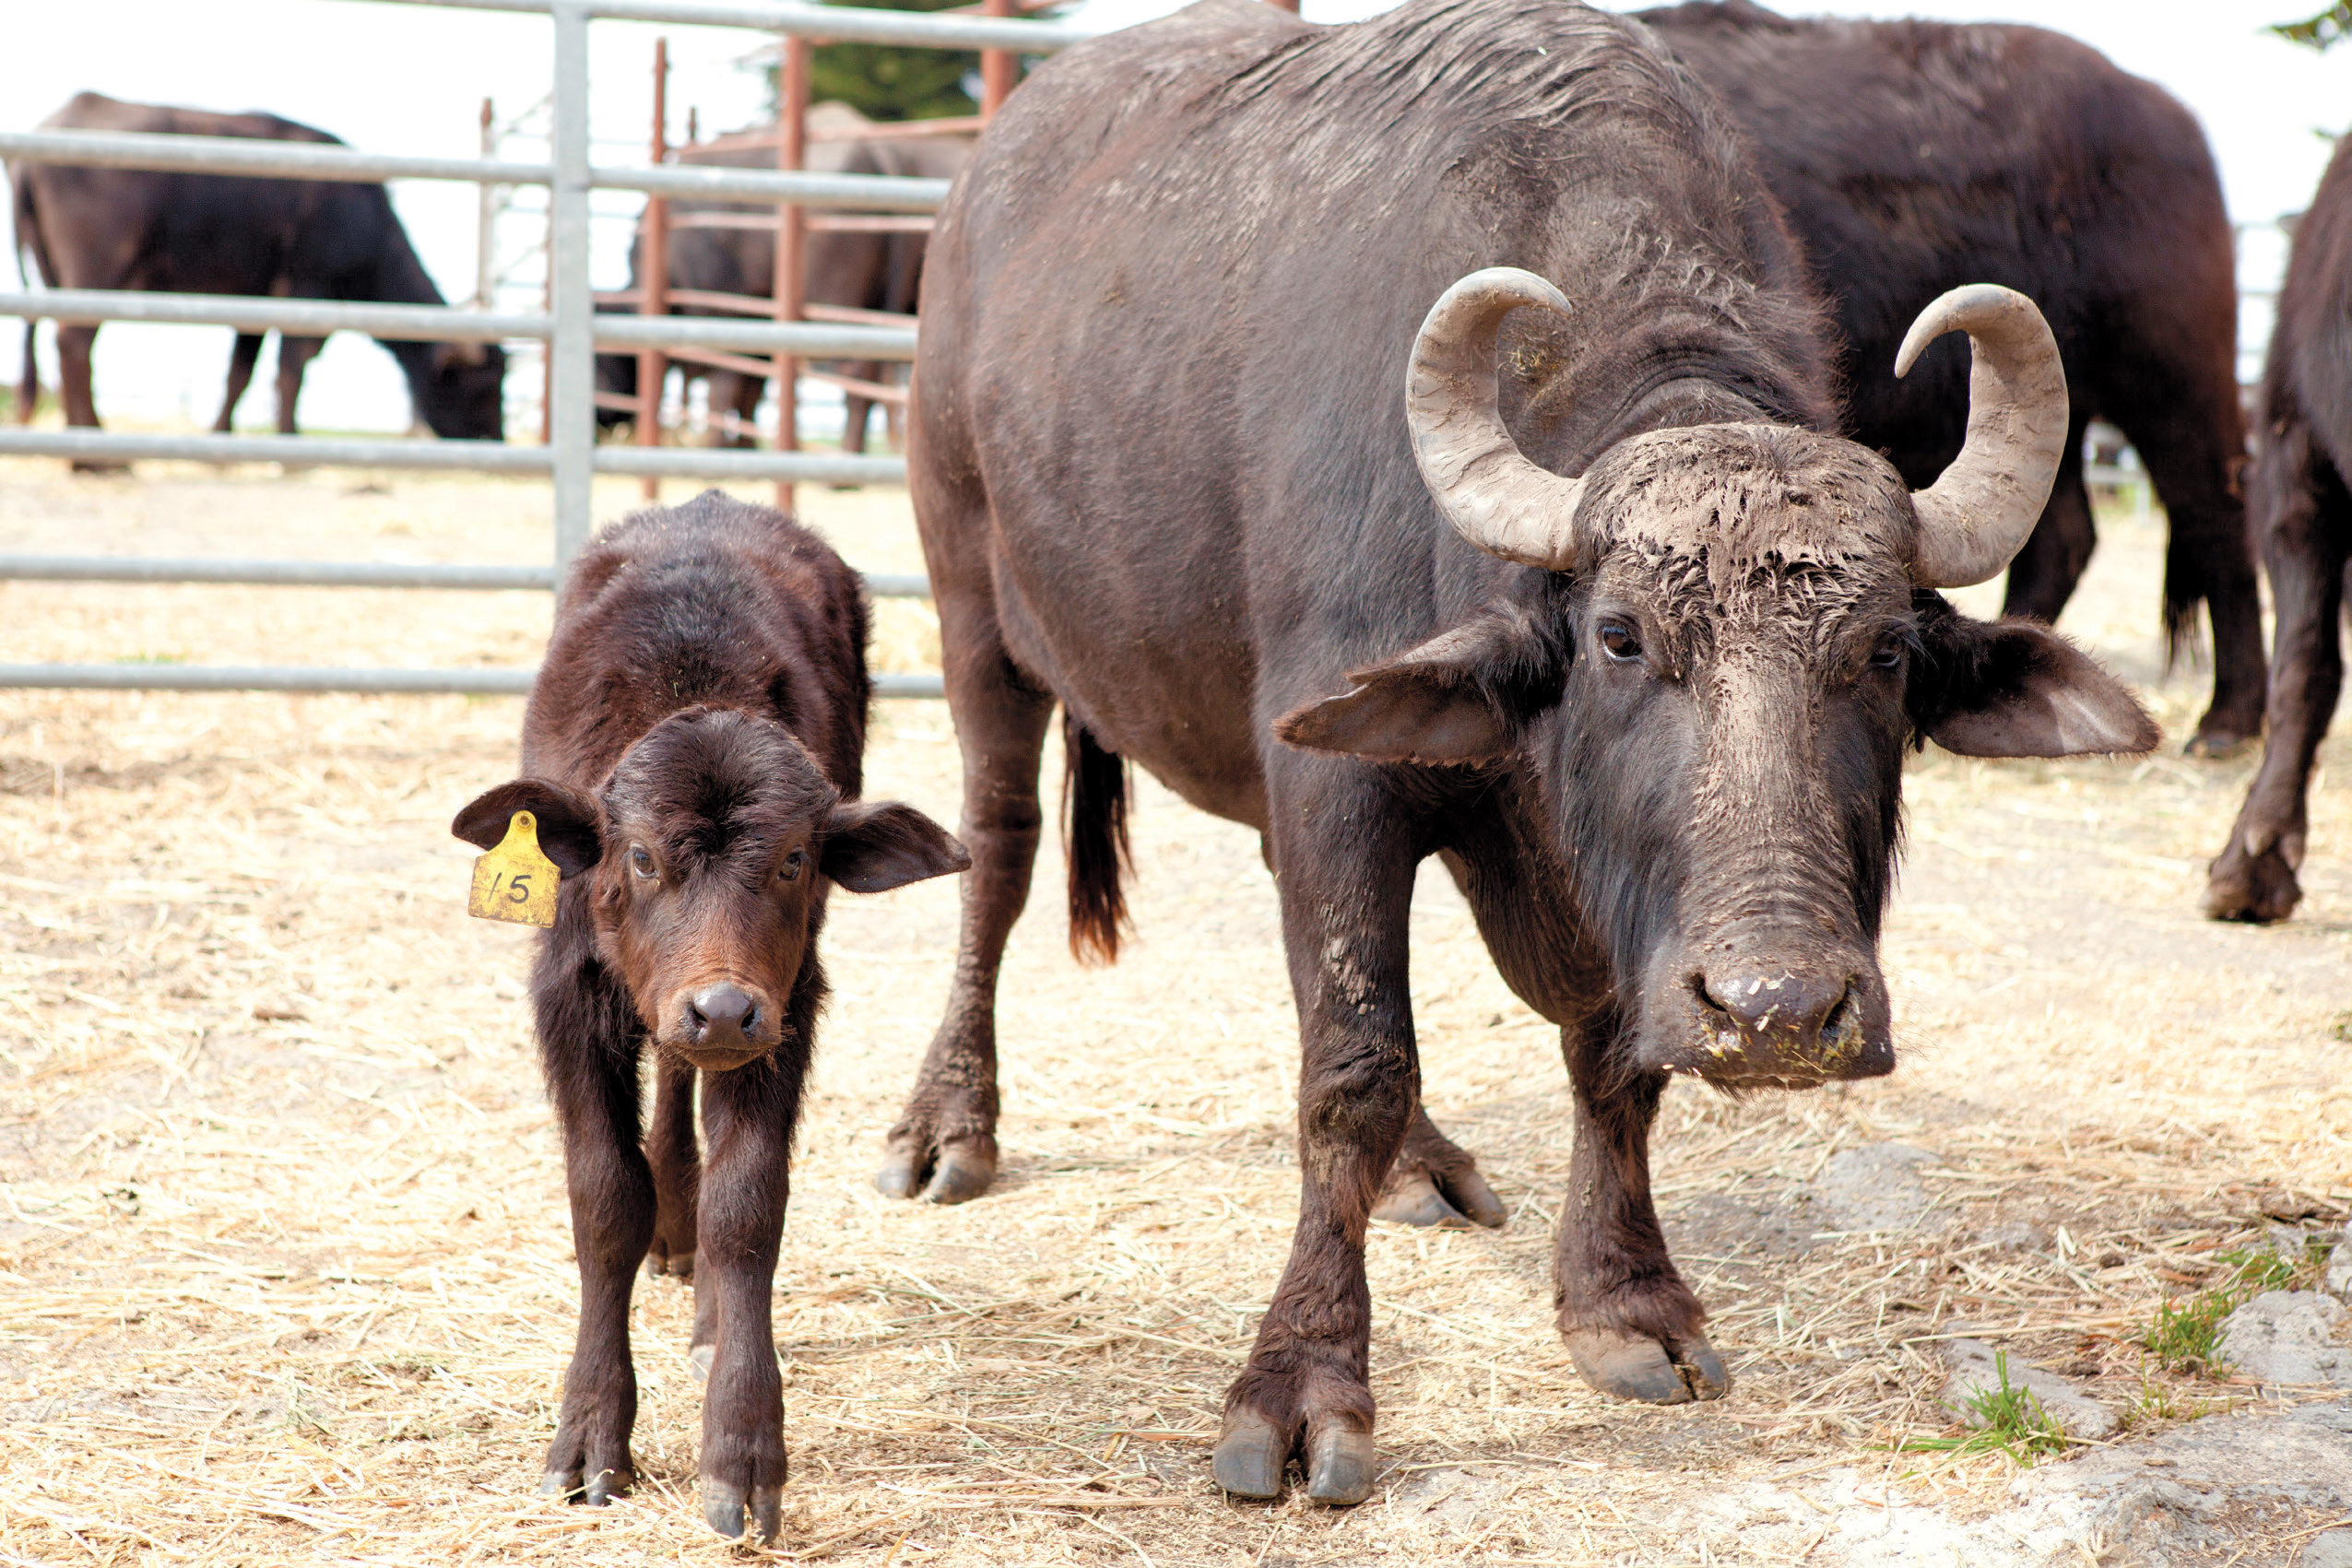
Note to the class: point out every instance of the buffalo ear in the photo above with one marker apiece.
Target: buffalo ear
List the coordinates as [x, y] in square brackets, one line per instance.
[1461, 697]
[570, 825]
[873, 846]
[2016, 688]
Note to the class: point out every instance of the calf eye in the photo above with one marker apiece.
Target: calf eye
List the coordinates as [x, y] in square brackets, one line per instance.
[1888, 655]
[790, 870]
[638, 861]
[1618, 640]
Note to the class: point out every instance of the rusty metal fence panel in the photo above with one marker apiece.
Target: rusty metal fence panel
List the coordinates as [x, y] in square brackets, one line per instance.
[571, 328]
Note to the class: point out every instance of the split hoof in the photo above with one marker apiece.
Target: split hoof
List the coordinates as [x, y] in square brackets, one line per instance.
[1250, 1456]
[677, 1265]
[2220, 744]
[959, 1174]
[698, 1361]
[1464, 1201]
[1634, 1366]
[595, 1490]
[1340, 1466]
[726, 1509]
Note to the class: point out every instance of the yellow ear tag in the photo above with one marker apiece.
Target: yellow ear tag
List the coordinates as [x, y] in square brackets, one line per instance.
[514, 881]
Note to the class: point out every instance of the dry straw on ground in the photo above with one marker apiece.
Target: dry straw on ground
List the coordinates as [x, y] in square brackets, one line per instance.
[286, 1277]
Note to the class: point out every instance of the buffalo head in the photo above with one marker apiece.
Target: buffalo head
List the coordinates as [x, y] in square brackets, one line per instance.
[703, 861]
[459, 391]
[1712, 682]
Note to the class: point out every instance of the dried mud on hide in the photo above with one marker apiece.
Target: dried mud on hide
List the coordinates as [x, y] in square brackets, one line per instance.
[285, 1267]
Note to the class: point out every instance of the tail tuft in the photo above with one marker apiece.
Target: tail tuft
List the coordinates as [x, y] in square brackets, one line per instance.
[1094, 839]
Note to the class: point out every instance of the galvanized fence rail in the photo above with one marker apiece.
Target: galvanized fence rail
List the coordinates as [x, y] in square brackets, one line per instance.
[571, 328]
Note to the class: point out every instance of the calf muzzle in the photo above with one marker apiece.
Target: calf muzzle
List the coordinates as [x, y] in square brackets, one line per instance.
[1743, 1023]
[721, 1025]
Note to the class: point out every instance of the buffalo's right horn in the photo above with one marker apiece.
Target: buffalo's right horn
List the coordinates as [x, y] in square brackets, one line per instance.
[1980, 511]
[1483, 485]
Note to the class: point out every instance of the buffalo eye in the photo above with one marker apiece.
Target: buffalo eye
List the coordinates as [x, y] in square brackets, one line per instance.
[1620, 642]
[641, 862]
[790, 870]
[1888, 655]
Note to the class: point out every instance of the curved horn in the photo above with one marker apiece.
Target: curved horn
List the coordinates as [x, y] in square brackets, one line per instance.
[1483, 485]
[1980, 511]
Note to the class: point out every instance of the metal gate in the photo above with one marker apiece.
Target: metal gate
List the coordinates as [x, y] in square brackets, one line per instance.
[571, 328]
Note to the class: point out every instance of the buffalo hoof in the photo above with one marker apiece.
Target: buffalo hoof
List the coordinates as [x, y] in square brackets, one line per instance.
[2260, 889]
[698, 1361]
[961, 1173]
[725, 1508]
[595, 1490]
[1634, 1366]
[1340, 1468]
[2220, 743]
[1250, 1456]
[1418, 1199]
[677, 1265]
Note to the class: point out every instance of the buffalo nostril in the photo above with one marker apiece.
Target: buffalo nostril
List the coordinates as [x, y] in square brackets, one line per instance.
[720, 1010]
[1795, 1006]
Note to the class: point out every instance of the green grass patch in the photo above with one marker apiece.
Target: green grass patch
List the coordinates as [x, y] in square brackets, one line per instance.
[2011, 1421]
[2185, 1334]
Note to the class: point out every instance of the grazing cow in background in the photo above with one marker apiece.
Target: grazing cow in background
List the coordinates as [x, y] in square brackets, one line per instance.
[235, 234]
[1234, 440]
[1915, 157]
[871, 272]
[693, 751]
[2302, 508]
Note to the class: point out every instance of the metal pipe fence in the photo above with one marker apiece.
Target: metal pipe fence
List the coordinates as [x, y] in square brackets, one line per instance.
[571, 326]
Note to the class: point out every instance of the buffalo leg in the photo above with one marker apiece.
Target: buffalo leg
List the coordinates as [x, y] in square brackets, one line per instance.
[747, 1116]
[944, 1147]
[28, 377]
[588, 1043]
[1346, 886]
[2044, 576]
[677, 1161]
[2208, 557]
[294, 356]
[74, 345]
[1632, 1326]
[241, 376]
[2304, 547]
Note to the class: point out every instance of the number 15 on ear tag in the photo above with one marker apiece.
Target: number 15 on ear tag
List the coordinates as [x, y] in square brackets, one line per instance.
[514, 881]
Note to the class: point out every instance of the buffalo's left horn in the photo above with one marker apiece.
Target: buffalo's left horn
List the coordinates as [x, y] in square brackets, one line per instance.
[1483, 485]
[1982, 510]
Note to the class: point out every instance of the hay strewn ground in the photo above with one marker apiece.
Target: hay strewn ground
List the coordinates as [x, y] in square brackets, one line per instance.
[285, 1272]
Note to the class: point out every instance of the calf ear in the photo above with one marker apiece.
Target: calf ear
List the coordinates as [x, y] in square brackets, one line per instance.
[569, 823]
[2016, 688]
[1461, 697]
[873, 846]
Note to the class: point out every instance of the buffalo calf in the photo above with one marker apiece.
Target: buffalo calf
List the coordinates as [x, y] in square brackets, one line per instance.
[693, 749]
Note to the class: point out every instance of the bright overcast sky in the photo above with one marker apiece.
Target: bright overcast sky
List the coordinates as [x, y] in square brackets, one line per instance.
[400, 77]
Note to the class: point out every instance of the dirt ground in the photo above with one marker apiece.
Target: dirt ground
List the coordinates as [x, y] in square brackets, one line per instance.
[285, 1267]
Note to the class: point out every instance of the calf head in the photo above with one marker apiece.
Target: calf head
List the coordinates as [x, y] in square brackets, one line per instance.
[1714, 680]
[702, 862]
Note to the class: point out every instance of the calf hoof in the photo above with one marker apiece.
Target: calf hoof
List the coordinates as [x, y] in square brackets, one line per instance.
[677, 1265]
[2220, 742]
[725, 1507]
[1418, 1200]
[1250, 1456]
[2260, 889]
[1634, 1366]
[698, 1361]
[959, 1172]
[595, 1490]
[1340, 1468]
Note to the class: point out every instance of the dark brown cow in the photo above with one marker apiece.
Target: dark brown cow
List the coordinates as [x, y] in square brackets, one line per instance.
[692, 751]
[871, 272]
[1195, 455]
[1914, 156]
[233, 234]
[2303, 512]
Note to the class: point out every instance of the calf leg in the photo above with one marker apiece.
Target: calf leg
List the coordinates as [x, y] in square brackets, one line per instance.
[2304, 545]
[588, 1043]
[1631, 1324]
[1346, 885]
[241, 376]
[748, 1115]
[677, 1162]
[294, 356]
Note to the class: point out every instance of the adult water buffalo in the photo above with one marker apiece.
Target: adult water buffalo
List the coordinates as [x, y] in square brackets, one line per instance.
[2303, 512]
[1194, 453]
[871, 272]
[1914, 156]
[228, 234]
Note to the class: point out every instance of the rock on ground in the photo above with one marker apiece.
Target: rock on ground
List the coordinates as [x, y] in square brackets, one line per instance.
[1877, 1187]
[2288, 1337]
